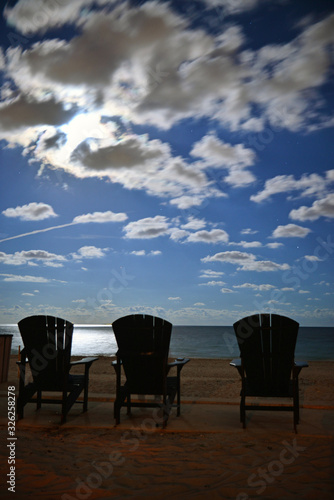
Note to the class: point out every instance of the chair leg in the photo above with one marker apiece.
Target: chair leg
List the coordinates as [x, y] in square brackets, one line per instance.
[243, 412]
[64, 408]
[20, 408]
[295, 412]
[85, 402]
[128, 411]
[117, 412]
[295, 404]
[165, 411]
[25, 394]
[39, 400]
[178, 392]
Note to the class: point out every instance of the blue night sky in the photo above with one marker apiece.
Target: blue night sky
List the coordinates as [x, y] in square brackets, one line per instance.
[173, 158]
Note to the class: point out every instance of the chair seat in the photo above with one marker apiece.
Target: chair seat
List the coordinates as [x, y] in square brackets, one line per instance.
[258, 391]
[76, 379]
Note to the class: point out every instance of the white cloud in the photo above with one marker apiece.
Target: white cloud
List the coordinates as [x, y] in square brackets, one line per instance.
[320, 208]
[312, 258]
[246, 261]
[263, 266]
[234, 257]
[213, 283]
[184, 202]
[308, 185]
[248, 231]
[39, 15]
[217, 153]
[174, 298]
[194, 224]
[231, 7]
[274, 245]
[27, 279]
[142, 253]
[138, 252]
[247, 244]
[213, 236]
[53, 264]
[262, 288]
[291, 231]
[89, 252]
[295, 67]
[209, 273]
[21, 113]
[2, 59]
[100, 217]
[227, 290]
[150, 227]
[31, 212]
[178, 234]
[28, 256]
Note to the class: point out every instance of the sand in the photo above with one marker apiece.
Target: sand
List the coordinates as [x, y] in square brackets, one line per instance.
[203, 453]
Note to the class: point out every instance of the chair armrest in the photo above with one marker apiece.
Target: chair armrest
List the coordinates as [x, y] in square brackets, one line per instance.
[301, 364]
[116, 364]
[237, 363]
[22, 362]
[84, 361]
[297, 367]
[23, 357]
[179, 362]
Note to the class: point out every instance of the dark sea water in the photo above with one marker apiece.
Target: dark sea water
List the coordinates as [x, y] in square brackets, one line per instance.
[314, 343]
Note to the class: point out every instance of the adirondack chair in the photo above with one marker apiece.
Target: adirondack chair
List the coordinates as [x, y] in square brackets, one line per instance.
[47, 347]
[143, 345]
[266, 365]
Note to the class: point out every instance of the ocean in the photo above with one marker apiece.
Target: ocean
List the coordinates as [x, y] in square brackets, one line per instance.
[213, 342]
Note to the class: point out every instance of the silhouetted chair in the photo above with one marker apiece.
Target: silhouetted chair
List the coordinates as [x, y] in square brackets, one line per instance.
[266, 365]
[47, 347]
[143, 345]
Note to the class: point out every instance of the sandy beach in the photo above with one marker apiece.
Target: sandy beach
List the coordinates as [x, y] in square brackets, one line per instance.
[202, 453]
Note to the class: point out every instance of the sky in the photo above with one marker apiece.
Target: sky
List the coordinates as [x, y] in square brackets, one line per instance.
[168, 158]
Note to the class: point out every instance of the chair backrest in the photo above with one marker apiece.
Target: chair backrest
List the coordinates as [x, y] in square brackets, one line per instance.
[47, 342]
[143, 345]
[267, 345]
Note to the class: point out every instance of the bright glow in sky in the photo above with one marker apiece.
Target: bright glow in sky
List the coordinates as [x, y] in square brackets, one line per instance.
[174, 158]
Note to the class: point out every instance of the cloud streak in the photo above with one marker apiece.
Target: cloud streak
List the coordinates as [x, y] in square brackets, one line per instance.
[96, 217]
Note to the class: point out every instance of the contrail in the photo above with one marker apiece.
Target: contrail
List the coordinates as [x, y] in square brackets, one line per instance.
[38, 231]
